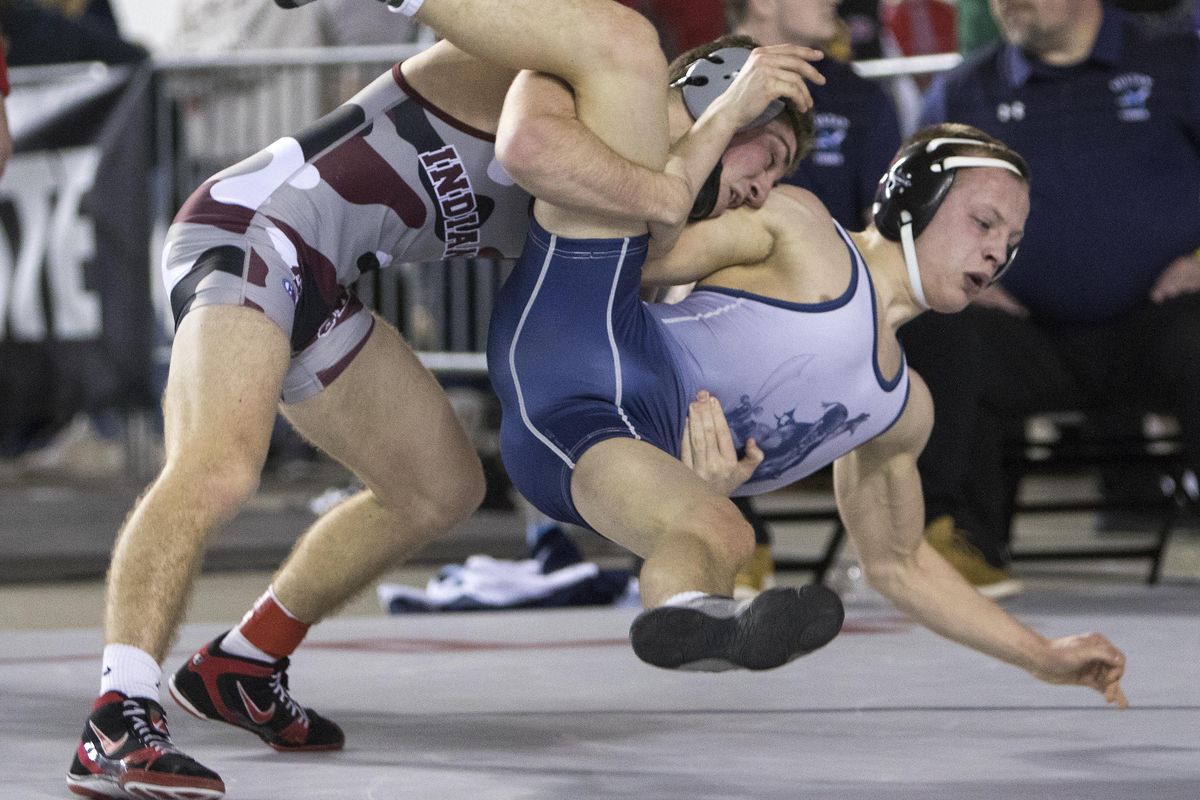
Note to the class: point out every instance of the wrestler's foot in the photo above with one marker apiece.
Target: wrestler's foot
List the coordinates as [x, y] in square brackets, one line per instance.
[713, 633]
[252, 695]
[126, 752]
[292, 3]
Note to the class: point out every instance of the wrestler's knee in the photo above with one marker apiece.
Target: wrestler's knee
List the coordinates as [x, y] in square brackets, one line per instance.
[725, 533]
[624, 44]
[436, 500]
[223, 484]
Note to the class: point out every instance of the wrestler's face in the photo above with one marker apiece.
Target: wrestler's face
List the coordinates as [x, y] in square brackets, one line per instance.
[1039, 26]
[969, 237]
[754, 162]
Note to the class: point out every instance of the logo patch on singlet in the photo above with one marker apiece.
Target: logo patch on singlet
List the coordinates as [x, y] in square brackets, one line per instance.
[455, 198]
[787, 441]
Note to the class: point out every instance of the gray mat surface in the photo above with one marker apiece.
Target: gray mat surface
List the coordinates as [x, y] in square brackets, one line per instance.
[553, 705]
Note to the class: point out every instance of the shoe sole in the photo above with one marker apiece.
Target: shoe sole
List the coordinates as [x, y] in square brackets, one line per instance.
[778, 626]
[103, 787]
[182, 701]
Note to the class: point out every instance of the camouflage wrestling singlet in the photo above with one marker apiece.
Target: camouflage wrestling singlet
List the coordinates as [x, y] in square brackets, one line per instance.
[385, 178]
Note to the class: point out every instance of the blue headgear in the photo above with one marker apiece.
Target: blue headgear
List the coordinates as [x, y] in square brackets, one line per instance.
[917, 182]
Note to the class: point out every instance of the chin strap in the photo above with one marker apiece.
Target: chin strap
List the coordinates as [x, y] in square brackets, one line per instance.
[910, 258]
[706, 198]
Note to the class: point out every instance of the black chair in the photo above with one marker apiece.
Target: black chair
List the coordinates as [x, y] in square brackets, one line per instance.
[1062, 444]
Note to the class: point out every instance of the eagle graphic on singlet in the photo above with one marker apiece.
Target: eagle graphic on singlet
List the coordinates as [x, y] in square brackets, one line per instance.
[788, 441]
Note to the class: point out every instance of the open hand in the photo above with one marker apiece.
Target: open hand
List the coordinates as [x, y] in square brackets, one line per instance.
[707, 448]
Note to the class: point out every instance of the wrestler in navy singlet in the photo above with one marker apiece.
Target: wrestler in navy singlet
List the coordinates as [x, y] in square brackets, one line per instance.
[385, 178]
[577, 358]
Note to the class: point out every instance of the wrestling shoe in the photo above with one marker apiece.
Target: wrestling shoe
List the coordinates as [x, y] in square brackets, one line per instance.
[253, 695]
[991, 581]
[126, 752]
[713, 633]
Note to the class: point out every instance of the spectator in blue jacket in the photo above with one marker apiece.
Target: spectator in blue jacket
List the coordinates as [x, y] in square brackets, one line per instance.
[1101, 309]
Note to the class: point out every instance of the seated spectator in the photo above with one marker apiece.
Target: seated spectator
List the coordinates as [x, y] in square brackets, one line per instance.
[1101, 310]
[855, 129]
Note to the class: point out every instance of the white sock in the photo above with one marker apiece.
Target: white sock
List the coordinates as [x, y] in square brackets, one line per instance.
[683, 598]
[236, 644]
[407, 8]
[131, 671]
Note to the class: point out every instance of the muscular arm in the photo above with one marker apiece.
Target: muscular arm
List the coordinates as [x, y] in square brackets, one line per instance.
[879, 496]
[548, 152]
[741, 236]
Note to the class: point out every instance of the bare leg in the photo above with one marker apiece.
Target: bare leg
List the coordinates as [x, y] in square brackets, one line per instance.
[694, 542]
[692, 538]
[218, 423]
[388, 421]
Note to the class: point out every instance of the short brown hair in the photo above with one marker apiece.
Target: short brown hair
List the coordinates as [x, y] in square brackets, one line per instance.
[801, 122]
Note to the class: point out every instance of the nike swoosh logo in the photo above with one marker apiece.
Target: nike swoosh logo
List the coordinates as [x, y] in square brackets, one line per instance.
[257, 714]
[110, 747]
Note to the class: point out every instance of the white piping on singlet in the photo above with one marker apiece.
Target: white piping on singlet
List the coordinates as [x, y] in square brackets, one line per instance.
[612, 342]
[512, 357]
[716, 312]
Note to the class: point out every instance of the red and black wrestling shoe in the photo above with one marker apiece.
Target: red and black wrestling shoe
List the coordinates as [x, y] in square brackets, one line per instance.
[127, 752]
[252, 695]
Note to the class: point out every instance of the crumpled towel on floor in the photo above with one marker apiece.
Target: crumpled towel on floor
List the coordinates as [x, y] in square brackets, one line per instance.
[486, 583]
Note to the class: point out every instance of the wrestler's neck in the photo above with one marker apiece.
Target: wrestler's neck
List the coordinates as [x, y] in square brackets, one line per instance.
[893, 291]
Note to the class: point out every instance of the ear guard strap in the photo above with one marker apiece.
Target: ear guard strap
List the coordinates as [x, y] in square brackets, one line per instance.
[706, 198]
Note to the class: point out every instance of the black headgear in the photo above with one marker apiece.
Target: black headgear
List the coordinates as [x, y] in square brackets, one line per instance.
[915, 185]
[922, 174]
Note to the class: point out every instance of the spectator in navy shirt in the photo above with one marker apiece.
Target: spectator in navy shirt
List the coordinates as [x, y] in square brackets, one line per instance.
[1101, 309]
[856, 131]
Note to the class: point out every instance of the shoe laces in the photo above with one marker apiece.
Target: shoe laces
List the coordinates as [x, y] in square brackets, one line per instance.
[279, 687]
[149, 735]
